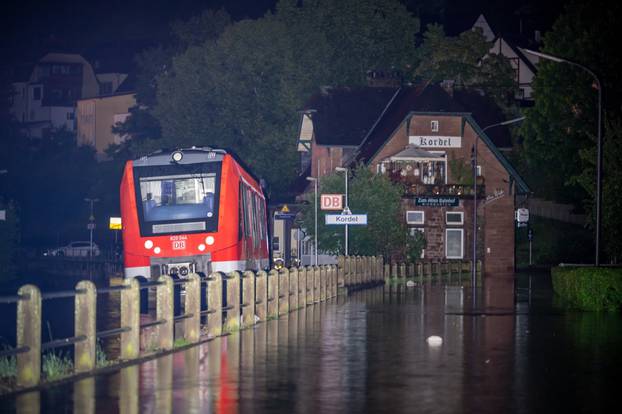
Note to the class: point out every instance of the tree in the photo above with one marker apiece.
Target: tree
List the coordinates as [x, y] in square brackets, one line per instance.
[379, 198]
[559, 134]
[242, 91]
[465, 59]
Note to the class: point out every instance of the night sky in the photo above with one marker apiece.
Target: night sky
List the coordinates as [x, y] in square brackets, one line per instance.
[33, 27]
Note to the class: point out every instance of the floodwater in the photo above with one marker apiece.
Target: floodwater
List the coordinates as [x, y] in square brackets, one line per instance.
[508, 351]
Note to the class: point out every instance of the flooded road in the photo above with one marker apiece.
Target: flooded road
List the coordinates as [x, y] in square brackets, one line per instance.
[505, 353]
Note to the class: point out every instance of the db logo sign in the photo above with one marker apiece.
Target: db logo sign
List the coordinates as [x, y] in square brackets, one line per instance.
[331, 202]
[179, 245]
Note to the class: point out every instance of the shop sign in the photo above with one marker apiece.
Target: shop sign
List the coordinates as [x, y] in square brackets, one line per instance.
[435, 141]
[437, 201]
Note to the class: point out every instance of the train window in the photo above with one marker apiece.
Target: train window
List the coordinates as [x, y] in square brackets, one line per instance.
[247, 209]
[178, 197]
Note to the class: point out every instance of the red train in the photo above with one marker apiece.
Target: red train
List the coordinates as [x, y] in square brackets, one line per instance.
[191, 210]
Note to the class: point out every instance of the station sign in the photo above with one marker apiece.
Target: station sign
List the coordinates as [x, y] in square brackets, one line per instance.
[115, 223]
[437, 201]
[349, 219]
[331, 202]
[522, 215]
[435, 141]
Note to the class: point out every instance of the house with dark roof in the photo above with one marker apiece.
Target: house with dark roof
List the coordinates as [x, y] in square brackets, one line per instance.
[510, 46]
[425, 137]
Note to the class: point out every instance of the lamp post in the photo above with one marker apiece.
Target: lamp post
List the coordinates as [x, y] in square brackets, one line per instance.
[599, 154]
[474, 158]
[346, 209]
[314, 180]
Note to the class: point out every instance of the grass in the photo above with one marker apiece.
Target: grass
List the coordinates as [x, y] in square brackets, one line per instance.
[179, 342]
[56, 366]
[101, 359]
[589, 288]
[8, 367]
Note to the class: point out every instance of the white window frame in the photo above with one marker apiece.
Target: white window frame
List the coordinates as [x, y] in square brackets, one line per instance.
[434, 125]
[447, 231]
[454, 223]
[420, 230]
[416, 222]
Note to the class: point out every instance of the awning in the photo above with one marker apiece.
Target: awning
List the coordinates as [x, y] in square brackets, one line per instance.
[414, 153]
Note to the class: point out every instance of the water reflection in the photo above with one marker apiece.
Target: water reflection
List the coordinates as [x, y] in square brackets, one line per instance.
[368, 353]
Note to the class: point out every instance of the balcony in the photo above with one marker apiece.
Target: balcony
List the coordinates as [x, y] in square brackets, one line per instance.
[413, 187]
[459, 190]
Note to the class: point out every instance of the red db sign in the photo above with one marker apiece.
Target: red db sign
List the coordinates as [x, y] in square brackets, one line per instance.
[331, 202]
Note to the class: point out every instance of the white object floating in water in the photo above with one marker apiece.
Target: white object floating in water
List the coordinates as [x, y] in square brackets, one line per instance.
[410, 283]
[434, 340]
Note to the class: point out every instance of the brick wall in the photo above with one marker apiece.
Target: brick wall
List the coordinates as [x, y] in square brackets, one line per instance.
[495, 213]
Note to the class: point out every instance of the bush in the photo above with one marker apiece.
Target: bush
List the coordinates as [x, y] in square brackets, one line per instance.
[589, 288]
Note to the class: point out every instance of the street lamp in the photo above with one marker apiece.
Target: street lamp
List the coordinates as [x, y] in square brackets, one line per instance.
[314, 180]
[474, 158]
[599, 154]
[346, 209]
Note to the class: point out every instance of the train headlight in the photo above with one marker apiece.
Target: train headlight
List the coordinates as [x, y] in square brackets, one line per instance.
[157, 250]
[201, 247]
[148, 244]
[177, 156]
[209, 240]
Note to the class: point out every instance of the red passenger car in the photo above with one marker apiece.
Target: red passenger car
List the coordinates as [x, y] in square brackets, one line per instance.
[191, 210]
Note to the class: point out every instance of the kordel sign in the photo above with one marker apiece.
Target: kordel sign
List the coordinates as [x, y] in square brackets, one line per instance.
[435, 141]
[349, 219]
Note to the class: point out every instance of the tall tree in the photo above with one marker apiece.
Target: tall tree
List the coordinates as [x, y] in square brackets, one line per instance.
[242, 91]
[560, 130]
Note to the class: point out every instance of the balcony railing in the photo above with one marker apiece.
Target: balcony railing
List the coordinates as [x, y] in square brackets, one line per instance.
[460, 190]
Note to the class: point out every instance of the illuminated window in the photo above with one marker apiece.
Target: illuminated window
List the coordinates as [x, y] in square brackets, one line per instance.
[454, 243]
[415, 217]
[434, 126]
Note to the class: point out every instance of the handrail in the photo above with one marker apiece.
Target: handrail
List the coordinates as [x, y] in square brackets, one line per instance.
[268, 299]
[63, 342]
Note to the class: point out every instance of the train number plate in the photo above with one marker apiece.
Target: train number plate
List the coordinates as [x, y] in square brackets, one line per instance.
[179, 244]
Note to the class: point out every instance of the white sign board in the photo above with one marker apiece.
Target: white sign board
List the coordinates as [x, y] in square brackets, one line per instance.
[331, 201]
[522, 215]
[350, 219]
[2, 215]
[435, 141]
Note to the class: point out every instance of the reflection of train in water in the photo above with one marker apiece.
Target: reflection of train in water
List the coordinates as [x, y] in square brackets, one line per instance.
[191, 210]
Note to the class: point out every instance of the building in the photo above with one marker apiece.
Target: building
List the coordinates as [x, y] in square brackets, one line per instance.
[97, 115]
[424, 138]
[44, 98]
[510, 46]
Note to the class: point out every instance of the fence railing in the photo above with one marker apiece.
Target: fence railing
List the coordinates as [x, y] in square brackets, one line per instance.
[250, 297]
[428, 271]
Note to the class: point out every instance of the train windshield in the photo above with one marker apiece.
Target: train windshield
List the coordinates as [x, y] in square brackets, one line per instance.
[178, 197]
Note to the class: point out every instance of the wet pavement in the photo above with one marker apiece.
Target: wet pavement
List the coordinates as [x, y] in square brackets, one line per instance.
[512, 351]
